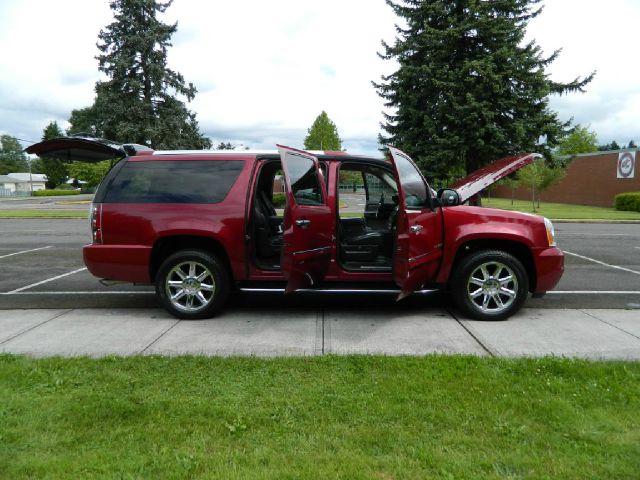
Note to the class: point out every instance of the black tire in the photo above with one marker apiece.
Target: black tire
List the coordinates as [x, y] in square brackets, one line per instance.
[202, 279]
[493, 293]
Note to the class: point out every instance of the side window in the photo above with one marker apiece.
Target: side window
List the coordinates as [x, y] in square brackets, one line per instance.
[376, 187]
[169, 181]
[304, 181]
[416, 193]
[351, 191]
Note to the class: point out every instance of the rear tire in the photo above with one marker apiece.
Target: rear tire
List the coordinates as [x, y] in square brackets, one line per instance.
[192, 284]
[490, 285]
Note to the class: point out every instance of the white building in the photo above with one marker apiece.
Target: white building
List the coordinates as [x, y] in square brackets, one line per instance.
[39, 181]
[11, 184]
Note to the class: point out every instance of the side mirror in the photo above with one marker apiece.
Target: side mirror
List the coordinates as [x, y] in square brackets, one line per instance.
[448, 197]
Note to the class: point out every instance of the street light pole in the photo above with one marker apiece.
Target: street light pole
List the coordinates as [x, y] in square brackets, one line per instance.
[30, 179]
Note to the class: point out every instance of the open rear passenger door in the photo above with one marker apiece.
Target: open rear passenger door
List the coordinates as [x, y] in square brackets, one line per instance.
[308, 222]
[418, 246]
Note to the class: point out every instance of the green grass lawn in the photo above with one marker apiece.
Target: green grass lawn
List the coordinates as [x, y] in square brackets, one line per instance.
[44, 214]
[562, 210]
[323, 417]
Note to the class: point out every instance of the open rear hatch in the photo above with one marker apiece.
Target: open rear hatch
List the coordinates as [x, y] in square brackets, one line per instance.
[84, 149]
[476, 181]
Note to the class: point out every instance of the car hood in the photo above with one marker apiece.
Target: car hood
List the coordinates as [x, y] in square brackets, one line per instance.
[473, 183]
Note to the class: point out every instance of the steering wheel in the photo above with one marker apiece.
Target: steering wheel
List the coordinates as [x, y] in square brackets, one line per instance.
[380, 208]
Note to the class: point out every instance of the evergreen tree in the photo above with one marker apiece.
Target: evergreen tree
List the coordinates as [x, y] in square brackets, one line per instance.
[55, 169]
[323, 135]
[609, 146]
[12, 158]
[467, 90]
[139, 102]
[85, 121]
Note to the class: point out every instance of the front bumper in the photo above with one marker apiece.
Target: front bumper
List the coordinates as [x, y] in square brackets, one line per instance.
[549, 268]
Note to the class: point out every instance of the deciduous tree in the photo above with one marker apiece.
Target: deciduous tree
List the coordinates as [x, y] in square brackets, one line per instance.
[323, 135]
[579, 140]
[12, 158]
[538, 176]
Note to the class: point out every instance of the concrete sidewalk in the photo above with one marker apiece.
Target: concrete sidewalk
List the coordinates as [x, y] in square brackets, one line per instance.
[592, 334]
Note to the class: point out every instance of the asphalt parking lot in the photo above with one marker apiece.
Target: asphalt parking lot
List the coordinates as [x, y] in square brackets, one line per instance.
[51, 305]
[41, 264]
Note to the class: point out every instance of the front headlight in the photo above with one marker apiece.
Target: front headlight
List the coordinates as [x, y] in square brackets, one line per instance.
[551, 233]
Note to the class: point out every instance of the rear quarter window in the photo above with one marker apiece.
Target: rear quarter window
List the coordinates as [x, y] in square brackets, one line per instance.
[184, 181]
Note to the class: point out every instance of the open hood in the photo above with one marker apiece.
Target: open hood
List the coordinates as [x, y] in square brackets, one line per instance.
[84, 149]
[473, 183]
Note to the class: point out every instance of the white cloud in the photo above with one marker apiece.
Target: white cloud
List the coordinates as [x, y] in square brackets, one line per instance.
[264, 70]
[600, 37]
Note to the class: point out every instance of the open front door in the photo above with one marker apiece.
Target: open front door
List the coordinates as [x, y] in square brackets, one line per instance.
[418, 247]
[308, 222]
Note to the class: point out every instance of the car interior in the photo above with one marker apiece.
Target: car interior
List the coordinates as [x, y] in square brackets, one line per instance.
[266, 222]
[366, 219]
[366, 228]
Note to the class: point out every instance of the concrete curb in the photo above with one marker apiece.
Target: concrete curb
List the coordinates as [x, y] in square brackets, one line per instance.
[589, 334]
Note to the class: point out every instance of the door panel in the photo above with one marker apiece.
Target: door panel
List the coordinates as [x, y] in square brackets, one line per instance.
[418, 251]
[308, 221]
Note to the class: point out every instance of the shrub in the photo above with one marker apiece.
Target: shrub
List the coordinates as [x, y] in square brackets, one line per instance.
[64, 186]
[279, 200]
[629, 201]
[53, 193]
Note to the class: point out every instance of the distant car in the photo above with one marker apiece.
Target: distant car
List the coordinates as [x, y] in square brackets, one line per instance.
[199, 224]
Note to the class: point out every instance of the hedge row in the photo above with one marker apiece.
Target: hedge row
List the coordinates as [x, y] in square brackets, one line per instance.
[279, 200]
[629, 201]
[55, 193]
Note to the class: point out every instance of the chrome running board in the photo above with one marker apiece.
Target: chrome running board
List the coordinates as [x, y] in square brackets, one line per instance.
[332, 290]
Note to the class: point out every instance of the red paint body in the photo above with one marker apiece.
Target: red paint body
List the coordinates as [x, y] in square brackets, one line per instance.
[131, 231]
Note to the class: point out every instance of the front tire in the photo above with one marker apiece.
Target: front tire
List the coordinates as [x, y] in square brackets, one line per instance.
[192, 284]
[490, 285]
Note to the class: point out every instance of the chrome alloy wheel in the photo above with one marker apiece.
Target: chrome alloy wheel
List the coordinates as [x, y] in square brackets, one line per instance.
[492, 287]
[190, 286]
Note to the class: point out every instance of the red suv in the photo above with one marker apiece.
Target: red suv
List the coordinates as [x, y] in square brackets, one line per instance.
[198, 224]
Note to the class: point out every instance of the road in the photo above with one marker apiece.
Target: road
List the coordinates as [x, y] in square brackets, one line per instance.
[41, 265]
[69, 202]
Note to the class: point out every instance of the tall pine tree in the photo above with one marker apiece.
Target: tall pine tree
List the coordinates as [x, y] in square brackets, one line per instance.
[468, 90]
[323, 135]
[140, 102]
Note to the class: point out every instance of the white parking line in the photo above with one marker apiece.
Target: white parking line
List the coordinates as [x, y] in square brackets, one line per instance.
[85, 292]
[577, 234]
[26, 251]
[602, 263]
[27, 287]
[596, 292]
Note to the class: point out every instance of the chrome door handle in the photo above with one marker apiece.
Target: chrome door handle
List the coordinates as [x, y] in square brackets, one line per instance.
[416, 228]
[303, 223]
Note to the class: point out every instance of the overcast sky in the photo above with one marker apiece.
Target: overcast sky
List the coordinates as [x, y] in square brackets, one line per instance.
[265, 70]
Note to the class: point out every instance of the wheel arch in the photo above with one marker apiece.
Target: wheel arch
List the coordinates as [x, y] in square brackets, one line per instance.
[519, 250]
[165, 246]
